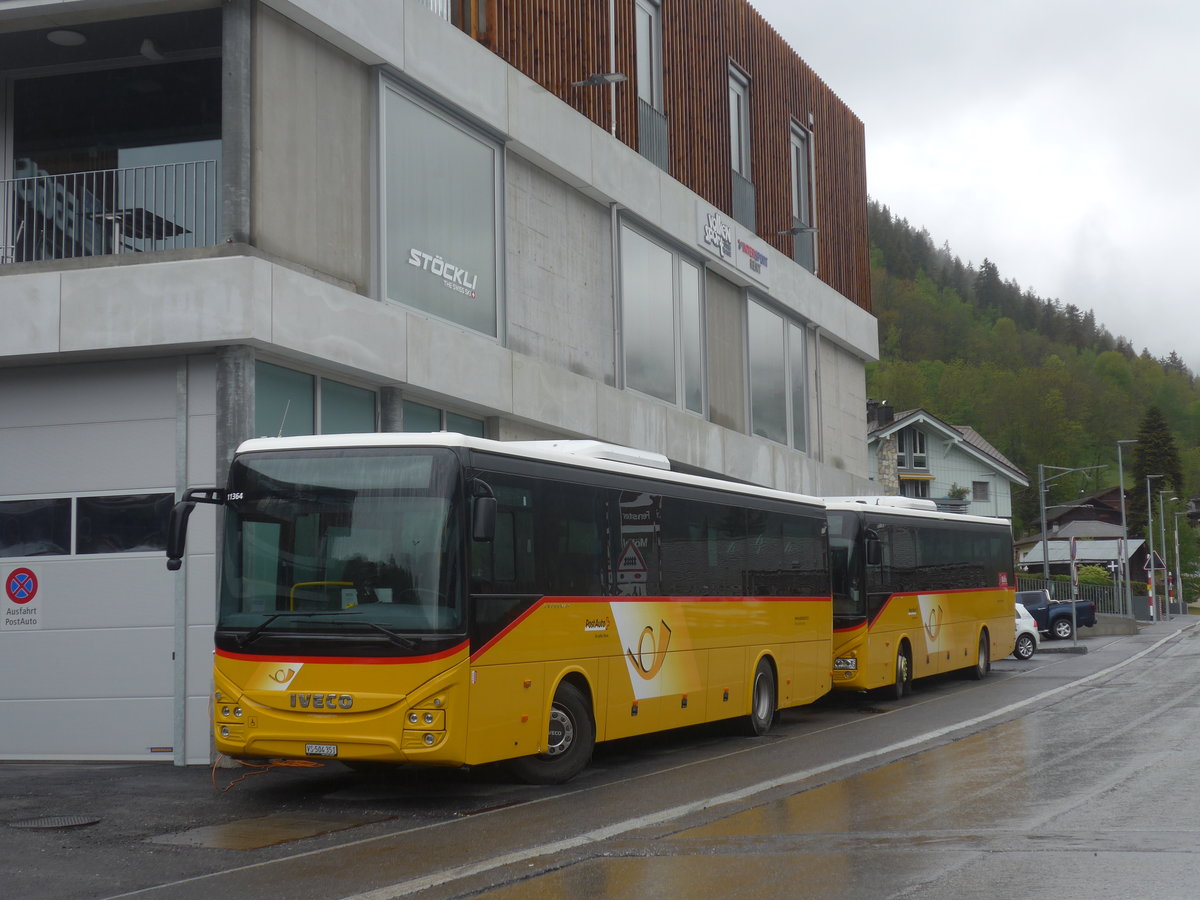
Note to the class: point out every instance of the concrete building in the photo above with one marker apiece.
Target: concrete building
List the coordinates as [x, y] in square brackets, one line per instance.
[643, 223]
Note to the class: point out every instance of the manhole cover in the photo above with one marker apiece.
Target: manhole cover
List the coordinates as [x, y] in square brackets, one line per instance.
[55, 822]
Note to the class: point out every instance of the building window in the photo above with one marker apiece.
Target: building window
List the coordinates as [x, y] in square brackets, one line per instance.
[980, 491]
[648, 20]
[129, 523]
[62, 526]
[778, 377]
[441, 184]
[918, 489]
[804, 241]
[35, 527]
[662, 318]
[287, 402]
[421, 418]
[744, 205]
[910, 446]
[739, 123]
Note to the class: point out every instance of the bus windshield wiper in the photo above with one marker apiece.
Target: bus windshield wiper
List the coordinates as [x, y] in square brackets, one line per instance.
[406, 642]
[257, 631]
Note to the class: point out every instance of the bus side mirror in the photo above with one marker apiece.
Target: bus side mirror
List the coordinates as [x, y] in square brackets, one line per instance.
[177, 523]
[483, 524]
[177, 533]
[873, 549]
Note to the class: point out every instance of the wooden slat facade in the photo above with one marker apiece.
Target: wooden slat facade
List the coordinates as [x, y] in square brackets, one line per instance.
[556, 42]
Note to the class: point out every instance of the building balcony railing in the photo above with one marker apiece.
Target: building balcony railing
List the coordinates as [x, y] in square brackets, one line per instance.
[744, 201]
[652, 135]
[108, 211]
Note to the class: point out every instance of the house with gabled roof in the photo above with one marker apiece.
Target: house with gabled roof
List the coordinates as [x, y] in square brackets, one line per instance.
[916, 454]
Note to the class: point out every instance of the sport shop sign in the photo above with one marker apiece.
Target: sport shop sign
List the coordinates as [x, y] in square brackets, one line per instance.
[722, 238]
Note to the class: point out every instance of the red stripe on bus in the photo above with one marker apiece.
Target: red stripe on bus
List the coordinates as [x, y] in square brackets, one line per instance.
[346, 660]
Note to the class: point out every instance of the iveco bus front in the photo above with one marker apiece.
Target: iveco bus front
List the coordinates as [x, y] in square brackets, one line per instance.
[342, 628]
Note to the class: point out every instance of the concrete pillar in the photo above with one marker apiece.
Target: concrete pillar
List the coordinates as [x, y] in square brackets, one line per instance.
[235, 403]
[391, 409]
[236, 84]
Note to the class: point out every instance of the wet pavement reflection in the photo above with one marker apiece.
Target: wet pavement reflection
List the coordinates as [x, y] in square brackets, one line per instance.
[1091, 796]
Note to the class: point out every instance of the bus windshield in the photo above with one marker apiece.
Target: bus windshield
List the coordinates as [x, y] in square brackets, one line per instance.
[358, 545]
[846, 564]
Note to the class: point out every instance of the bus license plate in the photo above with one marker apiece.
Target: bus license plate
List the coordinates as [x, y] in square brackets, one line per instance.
[320, 749]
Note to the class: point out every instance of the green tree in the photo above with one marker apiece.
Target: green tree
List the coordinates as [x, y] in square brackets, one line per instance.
[1154, 454]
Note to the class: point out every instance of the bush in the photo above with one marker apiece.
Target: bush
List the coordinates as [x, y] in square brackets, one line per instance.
[1094, 575]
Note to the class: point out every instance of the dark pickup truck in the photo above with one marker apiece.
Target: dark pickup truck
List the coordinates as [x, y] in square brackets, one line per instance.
[1054, 616]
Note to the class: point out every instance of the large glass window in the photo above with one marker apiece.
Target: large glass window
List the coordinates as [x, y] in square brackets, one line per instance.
[283, 401]
[662, 315]
[118, 159]
[419, 417]
[441, 206]
[778, 377]
[346, 409]
[287, 402]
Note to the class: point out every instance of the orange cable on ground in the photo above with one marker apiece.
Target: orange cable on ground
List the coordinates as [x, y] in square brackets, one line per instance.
[260, 769]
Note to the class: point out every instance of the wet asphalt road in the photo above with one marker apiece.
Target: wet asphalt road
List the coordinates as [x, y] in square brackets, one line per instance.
[1071, 772]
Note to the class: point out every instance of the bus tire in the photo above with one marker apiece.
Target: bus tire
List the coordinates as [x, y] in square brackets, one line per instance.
[571, 738]
[762, 701]
[904, 674]
[983, 662]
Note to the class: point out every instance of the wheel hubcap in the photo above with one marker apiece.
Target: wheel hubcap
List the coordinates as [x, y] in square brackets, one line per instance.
[562, 732]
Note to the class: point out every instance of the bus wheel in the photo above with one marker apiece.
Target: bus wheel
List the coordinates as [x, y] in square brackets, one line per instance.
[762, 701]
[904, 674]
[983, 662]
[569, 744]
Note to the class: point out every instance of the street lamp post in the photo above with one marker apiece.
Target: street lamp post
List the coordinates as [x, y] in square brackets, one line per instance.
[1043, 481]
[1150, 540]
[1127, 593]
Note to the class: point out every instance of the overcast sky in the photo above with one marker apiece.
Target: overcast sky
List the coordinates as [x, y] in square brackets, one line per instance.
[1056, 138]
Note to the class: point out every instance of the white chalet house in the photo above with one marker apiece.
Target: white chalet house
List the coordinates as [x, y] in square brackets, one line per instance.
[916, 454]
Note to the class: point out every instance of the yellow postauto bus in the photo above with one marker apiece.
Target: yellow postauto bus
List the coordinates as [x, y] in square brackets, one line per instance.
[916, 592]
[448, 600]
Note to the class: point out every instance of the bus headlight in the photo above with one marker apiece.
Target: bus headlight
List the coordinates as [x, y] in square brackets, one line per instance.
[846, 663]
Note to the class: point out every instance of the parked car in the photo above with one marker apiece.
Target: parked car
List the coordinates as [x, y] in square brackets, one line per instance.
[1054, 616]
[1028, 639]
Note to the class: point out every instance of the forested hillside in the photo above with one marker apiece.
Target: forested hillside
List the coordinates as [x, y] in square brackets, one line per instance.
[1043, 381]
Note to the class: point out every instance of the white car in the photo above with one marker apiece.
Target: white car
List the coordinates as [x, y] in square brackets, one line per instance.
[1028, 639]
